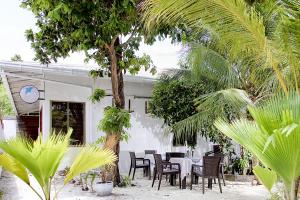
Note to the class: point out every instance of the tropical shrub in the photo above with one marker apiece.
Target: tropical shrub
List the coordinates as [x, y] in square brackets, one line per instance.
[114, 123]
[5, 106]
[274, 138]
[97, 95]
[115, 120]
[173, 100]
[41, 158]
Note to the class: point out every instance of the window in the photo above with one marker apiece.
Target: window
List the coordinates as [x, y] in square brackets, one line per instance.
[67, 115]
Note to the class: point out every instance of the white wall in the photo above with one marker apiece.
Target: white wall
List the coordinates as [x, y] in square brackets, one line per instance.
[146, 132]
[1, 132]
[10, 128]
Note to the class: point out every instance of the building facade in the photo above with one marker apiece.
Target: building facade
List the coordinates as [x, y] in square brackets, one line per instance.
[63, 102]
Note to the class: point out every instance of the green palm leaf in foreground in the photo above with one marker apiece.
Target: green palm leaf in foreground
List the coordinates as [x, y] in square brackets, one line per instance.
[42, 158]
[89, 158]
[274, 137]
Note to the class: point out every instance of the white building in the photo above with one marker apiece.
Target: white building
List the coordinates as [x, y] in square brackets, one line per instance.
[63, 101]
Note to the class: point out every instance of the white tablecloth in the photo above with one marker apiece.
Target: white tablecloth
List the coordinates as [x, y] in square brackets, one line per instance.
[185, 164]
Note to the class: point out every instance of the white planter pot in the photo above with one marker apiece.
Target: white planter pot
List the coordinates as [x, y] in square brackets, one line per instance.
[103, 188]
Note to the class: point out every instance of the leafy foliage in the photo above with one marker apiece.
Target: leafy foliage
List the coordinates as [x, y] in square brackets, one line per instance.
[266, 176]
[16, 58]
[173, 101]
[115, 120]
[91, 26]
[42, 157]
[90, 157]
[261, 33]
[108, 31]
[5, 106]
[273, 137]
[97, 95]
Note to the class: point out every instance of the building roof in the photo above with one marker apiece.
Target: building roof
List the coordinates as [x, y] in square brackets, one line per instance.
[15, 75]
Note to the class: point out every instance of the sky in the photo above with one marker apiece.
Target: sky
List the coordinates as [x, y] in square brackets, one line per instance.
[15, 20]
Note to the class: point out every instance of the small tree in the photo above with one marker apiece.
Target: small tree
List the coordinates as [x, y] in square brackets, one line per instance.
[174, 99]
[16, 58]
[108, 31]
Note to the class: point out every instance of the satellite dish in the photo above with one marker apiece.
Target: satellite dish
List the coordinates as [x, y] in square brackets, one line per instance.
[29, 94]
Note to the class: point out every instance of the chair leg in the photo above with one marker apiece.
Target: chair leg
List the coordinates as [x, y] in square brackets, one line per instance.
[197, 179]
[133, 173]
[130, 170]
[223, 176]
[220, 184]
[191, 186]
[214, 181]
[149, 172]
[203, 185]
[154, 177]
[180, 181]
[160, 177]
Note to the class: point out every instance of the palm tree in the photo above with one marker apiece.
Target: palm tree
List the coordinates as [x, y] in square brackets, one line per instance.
[42, 158]
[274, 138]
[238, 30]
[237, 85]
[265, 36]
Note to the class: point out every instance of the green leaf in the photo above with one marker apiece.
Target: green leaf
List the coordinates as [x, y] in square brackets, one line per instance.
[266, 176]
[90, 157]
[13, 166]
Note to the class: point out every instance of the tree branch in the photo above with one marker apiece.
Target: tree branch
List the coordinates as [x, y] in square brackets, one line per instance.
[134, 31]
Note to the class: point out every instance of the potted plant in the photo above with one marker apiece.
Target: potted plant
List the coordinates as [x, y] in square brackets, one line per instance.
[105, 186]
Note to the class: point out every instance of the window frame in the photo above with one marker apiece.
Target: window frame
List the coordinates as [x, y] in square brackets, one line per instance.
[84, 118]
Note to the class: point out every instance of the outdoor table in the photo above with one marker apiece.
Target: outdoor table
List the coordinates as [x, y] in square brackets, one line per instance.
[186, 167]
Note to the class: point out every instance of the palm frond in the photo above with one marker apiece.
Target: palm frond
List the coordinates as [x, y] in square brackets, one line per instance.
[210, 107]
[277, 119]
[266, 176]
[13, 166]
[41, 158]
[236, 98]
[90, 157]
[236, 27]
[204, 61]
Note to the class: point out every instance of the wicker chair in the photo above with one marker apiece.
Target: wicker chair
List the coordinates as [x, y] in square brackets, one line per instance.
[170, 155]
[165, 168]
[145, 165]
[210, 170]
[211, 153]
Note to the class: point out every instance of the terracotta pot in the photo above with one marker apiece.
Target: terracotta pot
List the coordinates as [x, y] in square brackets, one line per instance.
[103, 188]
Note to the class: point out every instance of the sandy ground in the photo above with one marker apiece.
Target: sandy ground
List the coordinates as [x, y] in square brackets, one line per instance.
[14, 189]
